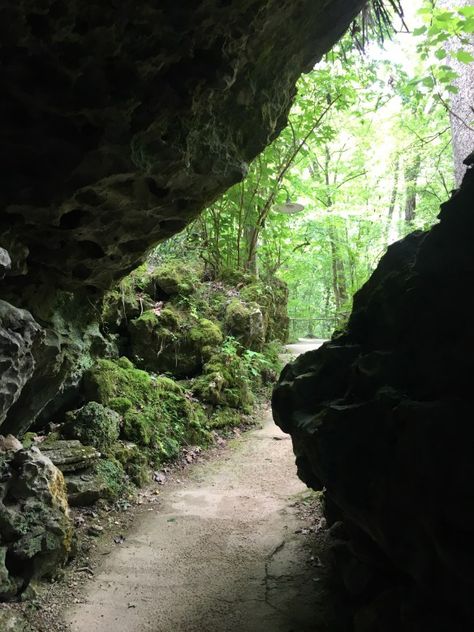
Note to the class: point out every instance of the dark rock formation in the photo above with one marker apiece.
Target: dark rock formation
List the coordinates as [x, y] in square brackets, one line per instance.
[117, 126]
[381, 417]
[36, 534]
[19, 335]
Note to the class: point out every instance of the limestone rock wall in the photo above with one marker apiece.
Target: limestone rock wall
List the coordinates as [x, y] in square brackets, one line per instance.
[381, 417]
[118, 124]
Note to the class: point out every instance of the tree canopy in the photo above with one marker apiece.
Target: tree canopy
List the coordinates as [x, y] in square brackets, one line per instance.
[365, 158]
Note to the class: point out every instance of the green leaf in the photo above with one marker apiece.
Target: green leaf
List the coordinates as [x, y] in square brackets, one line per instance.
[464, 56]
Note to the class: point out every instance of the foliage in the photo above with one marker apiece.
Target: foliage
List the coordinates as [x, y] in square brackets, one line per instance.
[445, 34]
[157, 412]
[367, 153]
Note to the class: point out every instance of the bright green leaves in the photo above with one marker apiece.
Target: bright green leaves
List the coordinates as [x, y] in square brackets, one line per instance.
[444, 36]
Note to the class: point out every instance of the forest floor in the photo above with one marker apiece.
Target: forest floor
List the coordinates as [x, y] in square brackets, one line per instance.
[237, 543]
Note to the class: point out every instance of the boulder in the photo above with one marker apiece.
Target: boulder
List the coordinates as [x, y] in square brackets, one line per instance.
[171, 341]
[225, 382]
[86, 487]
[93, 425]
[36, 533]
[20, 336]
[158, 414]
[70, 455]
[244, 322]
[172, 278]
[5, 262]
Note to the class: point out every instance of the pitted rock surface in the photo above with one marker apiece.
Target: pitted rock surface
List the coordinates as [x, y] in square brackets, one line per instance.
[36, 533]
[19, 337]
[119, 124]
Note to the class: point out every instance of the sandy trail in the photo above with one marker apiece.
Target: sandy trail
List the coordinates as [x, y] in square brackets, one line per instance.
[218, 554]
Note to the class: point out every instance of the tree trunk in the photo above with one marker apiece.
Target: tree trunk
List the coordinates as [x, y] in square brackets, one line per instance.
[412, 171]
[393, 197]
[338, 273]
[462, 103]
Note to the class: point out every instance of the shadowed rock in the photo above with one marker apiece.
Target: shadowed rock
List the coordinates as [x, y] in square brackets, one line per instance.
[381, 415]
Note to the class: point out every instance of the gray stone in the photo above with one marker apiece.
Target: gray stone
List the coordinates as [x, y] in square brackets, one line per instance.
[5, 262]
[19, 337]
[70, 455]
[36, 532]
[85, 488]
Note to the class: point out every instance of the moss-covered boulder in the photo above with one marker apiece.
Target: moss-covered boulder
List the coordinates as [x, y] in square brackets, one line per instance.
[36, 531]
[225, 382]
[271, 295]
[93, 425]
[107, 480]
[158, 414]
[244, 321]
[172, 278]
[13, 621]
[133, 460]
[225, 418]
[171, 341]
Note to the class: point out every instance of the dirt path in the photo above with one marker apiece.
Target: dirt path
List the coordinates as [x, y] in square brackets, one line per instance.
[219, 554]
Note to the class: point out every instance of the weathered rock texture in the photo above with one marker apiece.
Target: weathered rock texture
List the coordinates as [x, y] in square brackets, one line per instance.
[36, 534]
[19, 334]
[381, 416]
[117, 125]
[120, 125]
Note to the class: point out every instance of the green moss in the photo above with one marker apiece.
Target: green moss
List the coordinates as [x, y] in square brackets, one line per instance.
[272, 297]
[120, 404]
[225, 418]
[94, 425]
[225, 382]
[134, 461]
[172, 341]
[174, 277]
[111, 472]
[206, 333]
[158, 414]
[244, 321]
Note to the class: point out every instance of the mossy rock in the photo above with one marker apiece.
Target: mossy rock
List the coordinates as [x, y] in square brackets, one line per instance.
[225, 382]
[272, 297]
[244, 321]
[13, 621]
[225, 418]
[93, 424]
[172, 342]
[134, 461]
[158, 414]
[69, 455]
[172, 278]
